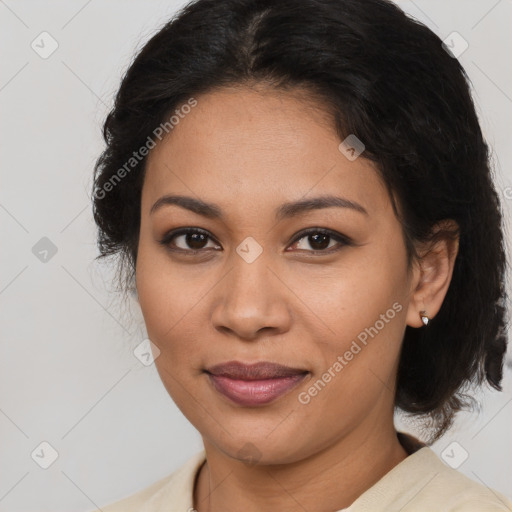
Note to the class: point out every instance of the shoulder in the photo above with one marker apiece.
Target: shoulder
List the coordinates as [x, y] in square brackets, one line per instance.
[423, 483]
[138, 500]
[459, 493]
[176, 489]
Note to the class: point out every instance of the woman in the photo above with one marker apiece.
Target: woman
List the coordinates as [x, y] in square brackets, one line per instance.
[301, 196]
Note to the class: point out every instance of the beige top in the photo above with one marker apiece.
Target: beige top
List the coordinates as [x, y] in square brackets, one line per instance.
[420, 483]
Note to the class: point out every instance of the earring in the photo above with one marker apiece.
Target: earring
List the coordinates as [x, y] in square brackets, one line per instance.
[424, 318]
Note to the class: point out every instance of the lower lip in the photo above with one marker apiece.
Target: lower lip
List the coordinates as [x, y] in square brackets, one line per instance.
[254, 392]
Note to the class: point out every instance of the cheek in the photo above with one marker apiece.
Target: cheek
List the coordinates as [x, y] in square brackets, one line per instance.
[364, 308]
[167, 308]
[353, 295]
[165, 300]
[164, 294]
[173, 299]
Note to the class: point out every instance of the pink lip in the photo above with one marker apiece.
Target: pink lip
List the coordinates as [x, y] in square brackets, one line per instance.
[254, 384]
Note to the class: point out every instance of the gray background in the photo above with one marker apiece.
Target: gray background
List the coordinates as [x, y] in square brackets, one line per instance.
[68, 375]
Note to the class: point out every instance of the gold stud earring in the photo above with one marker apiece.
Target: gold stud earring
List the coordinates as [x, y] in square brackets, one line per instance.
[424, 317]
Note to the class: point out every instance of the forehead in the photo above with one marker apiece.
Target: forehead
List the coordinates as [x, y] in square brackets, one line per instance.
[258, 146]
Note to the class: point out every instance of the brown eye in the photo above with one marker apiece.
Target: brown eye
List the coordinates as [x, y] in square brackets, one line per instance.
[188, 240]
[320, 240]
[194, 240]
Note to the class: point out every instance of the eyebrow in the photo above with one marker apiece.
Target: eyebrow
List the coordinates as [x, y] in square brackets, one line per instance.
[286, 210]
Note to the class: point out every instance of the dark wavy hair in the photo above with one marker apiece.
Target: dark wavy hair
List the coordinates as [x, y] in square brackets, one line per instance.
[389, 80]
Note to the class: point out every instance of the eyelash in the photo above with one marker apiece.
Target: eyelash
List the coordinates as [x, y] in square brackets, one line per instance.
[338, 237]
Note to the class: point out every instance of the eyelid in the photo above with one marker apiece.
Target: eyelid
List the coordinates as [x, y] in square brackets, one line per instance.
[338, 237]
[166, 239]
[333, 234]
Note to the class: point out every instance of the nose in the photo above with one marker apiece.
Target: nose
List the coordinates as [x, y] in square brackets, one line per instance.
[251, 301]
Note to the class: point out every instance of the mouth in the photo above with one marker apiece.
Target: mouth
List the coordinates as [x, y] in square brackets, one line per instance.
[254, 384]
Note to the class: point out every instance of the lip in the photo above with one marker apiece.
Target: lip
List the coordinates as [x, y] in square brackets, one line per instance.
[254, 384]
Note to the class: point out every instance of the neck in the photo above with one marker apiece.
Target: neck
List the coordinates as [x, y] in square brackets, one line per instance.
[328, 480]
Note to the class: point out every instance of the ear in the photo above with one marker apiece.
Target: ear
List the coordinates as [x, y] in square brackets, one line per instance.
[432, 272]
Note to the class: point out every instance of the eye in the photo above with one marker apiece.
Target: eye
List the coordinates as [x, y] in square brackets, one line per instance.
[195, 240]
[188, 240]
[321, 240]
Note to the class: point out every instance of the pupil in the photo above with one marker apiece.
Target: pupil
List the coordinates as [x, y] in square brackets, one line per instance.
[319, 239]
[195, 240]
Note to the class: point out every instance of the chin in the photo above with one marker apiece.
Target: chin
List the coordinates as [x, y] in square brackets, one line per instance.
[254, 449]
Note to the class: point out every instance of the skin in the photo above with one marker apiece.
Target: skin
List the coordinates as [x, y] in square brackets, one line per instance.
[249, 150]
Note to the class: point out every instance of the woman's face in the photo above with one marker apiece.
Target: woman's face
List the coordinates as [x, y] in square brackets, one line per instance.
[257, 289]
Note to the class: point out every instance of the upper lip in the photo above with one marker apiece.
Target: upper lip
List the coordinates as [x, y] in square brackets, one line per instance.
[254, 371]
